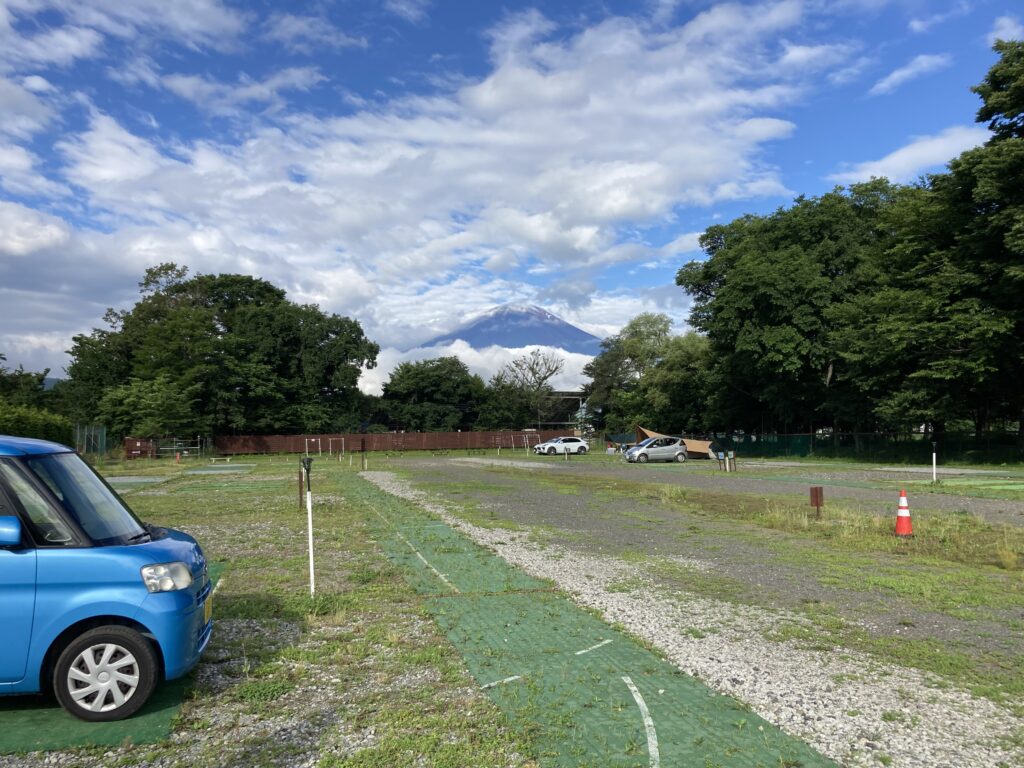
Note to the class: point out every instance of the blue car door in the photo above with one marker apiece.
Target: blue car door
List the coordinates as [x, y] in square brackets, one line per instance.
[17, 603]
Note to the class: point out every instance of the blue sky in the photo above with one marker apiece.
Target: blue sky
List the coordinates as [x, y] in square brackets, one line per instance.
[411, 163]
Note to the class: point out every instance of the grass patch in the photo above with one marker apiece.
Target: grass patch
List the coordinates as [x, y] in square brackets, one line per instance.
[361, 663]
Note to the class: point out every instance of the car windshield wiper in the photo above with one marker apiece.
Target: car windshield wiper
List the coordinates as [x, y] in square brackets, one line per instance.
[138, 536]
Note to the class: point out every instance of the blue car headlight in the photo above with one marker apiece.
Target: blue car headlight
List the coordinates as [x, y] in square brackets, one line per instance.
[166, 577]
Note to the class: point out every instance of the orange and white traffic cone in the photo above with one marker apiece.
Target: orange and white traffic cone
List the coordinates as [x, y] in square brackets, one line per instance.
[904, 528]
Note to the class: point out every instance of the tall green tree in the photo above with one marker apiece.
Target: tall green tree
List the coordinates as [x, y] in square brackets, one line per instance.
[506, 405]
[676, 391]
[249, 359]
[617, 371]
[763, 298]
[438, 395]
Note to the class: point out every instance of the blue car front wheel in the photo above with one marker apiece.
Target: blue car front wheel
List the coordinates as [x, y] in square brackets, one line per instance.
[105, 674]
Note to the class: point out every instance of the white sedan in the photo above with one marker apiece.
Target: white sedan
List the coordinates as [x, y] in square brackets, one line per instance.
[558, 445]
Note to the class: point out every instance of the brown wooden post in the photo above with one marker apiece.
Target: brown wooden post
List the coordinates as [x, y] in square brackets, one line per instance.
[817, 499]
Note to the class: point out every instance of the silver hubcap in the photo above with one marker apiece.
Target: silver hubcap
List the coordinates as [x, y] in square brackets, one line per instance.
[103, 677]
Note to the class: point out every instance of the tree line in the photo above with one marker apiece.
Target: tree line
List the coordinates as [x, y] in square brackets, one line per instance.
[230, 354]
[874, 307]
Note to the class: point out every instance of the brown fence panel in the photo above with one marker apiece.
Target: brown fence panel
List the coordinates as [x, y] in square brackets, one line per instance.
[388, 441]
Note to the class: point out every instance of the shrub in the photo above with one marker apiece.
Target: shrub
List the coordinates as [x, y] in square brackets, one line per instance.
[25, 421]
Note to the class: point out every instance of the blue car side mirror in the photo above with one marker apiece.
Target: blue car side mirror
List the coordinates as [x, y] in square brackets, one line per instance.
[10, 532]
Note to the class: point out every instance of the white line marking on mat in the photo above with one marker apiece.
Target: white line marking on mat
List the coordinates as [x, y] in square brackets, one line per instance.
[652, 736]
[500, 682]
[437, 573]
[217, 586]
[593, 647]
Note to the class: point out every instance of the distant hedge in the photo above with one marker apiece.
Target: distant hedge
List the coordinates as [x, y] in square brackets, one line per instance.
[23, 421]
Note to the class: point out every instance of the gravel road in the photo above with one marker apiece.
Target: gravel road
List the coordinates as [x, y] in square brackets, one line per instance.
[846, 704]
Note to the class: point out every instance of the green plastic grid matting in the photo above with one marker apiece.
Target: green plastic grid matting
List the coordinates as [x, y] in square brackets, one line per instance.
[588, 694]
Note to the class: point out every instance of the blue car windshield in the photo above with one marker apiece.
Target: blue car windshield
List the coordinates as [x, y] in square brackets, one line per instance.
[87, 499]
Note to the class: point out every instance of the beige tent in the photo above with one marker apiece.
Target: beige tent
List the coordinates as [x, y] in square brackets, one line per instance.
[693, 447]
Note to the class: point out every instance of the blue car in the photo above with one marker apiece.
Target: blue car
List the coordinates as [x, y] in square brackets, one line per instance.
[95, 605]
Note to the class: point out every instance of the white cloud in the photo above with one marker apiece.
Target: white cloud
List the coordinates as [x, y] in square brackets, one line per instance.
[411, 10]
[917, 67]
[685, 243]
[22, 112]
[20, 176]
[301, 34]
[36, 351]
[408, 211]
[850, 72]
[922, 154]
[208, 23]
[1006, 28]
[58, 47]
[27, 231]
[107, 156]
[923, 24]
[804, 57]
[228, 98]
[37, 84]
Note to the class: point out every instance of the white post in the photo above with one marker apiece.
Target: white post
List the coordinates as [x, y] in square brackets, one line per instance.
[309, 528]
[935, 471]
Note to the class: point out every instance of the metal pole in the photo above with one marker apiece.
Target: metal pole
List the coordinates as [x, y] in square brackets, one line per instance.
[935, 471]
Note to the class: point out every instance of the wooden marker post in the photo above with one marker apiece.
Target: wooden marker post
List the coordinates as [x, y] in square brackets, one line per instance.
[817, 499]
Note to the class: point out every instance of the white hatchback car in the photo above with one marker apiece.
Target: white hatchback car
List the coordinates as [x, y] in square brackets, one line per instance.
[558, 445]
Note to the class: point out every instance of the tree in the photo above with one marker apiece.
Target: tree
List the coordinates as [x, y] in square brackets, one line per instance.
[530, 374]
[248, 359]
[675, 392]
[1002, 92]
[614, 393]
[21, 387]
[438, 395]
[148, 408]
[506, 405]
[764, 295]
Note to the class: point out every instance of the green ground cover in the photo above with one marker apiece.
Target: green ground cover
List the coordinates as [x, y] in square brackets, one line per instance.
[523, 641]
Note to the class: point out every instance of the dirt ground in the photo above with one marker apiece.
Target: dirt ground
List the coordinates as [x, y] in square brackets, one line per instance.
[739, 562]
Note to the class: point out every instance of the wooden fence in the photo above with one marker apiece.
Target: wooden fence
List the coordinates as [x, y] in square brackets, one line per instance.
[388, 441]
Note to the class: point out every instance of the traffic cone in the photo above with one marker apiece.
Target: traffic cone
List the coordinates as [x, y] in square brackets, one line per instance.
[904, 528]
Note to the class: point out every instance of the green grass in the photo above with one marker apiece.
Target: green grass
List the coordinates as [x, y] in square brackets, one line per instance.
[958, 538]
[362, 657]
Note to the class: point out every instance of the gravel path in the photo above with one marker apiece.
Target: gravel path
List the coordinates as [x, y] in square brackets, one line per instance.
[847, 705]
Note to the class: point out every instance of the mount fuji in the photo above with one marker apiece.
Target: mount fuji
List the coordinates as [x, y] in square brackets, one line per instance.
[513, 325]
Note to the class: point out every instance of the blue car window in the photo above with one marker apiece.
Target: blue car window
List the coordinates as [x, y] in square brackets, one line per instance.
[87, 499]
[43, 519]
